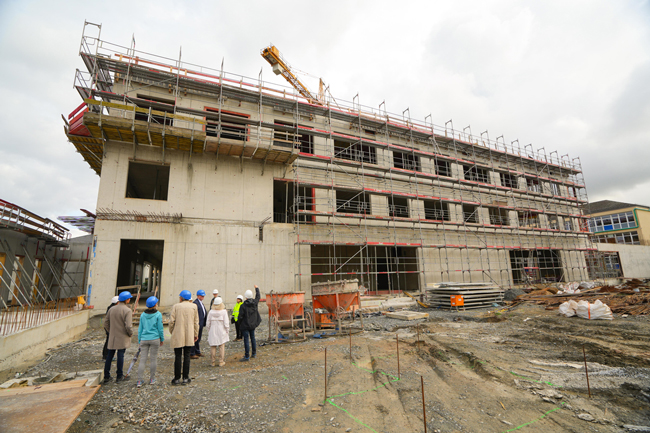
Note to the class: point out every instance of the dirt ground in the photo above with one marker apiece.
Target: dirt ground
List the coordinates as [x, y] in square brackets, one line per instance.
[483, 372]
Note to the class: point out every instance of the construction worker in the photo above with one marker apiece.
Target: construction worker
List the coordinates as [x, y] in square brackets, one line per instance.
[250, 319]
[235, 315]
[215, 294]
[184, 327]
[118, 325]
[203, 314]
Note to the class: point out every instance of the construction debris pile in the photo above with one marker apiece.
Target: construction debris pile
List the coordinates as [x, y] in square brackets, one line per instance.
[631, 297]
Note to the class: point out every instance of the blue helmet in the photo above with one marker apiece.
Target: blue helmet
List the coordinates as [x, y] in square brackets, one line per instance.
[200, 293]
[185, 294]
[152, 301]
[124, 296]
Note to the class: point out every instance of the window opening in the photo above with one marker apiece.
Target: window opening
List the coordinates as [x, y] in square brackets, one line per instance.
[147, 181]
[498, 216]
[475, 174]
[436, 210]
[508, 180]
[470, 213]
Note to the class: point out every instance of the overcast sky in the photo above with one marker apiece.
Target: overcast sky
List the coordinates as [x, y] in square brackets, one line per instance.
[571, 76]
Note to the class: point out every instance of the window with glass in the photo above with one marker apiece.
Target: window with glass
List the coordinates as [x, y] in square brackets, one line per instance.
[619, 221]
[629, 238]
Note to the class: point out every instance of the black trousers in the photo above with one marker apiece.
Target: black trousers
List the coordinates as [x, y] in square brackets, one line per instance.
[196, 349]
[182, 359]
[105, 349]
[238, 329]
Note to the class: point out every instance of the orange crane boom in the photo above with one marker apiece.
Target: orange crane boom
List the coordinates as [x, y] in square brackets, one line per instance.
[281, 67]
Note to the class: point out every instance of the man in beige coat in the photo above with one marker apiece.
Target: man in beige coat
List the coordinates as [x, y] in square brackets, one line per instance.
[118, 325]
[184, 327]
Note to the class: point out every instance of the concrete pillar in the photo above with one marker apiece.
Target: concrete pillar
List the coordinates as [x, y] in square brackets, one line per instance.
[521, 182]
[495, 178]
[455, 212]
[456, 170]
[483, 215]
[513, 218]
[416, 209]
[323, 203]
[379, 205]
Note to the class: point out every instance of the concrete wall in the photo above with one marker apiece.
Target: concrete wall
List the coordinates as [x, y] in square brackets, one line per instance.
[34, 342]
[635, 259]
[217, 243]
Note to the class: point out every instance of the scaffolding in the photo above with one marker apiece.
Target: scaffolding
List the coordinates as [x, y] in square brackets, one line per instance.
[394, 202]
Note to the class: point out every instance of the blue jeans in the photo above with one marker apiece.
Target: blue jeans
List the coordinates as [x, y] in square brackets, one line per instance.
[120, 362]
[246, 333]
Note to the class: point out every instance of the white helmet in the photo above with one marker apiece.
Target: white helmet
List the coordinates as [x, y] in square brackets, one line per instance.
[215, 292]
[240, 297]
[218, 300]
[248, 294]
[115, 300]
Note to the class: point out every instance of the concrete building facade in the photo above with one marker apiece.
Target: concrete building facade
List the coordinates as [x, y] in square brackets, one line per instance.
[210, 180]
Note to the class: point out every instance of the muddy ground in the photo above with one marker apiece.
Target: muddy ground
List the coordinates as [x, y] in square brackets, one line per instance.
[483, 372]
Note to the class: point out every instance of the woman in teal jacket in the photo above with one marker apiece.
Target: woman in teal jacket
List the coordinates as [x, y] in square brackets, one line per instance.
[150, 338]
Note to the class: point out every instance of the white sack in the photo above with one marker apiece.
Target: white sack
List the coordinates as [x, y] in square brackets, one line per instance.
[568, 308]
[594, 311]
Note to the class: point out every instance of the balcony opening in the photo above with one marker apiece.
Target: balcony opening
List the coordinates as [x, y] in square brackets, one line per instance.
[355, 152]
[475, 174]
[231, 128]
[498, 216]
[352, 202]
[436, 210]
[442, 167]
[289, 201]
[470, 213]
[398, 207]
[289, 138]
[406, 161]
[508, 180]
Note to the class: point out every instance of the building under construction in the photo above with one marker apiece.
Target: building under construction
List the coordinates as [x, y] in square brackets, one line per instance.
[213, 180]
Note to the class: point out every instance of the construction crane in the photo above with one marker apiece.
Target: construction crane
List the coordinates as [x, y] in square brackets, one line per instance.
[281, 67]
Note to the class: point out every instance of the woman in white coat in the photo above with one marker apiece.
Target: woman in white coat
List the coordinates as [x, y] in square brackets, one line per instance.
[218, 326]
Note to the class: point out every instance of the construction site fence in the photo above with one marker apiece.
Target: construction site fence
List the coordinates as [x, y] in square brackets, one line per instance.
[18, 318]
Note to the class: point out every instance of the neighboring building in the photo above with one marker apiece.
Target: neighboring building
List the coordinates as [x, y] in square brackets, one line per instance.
[621, 232]
[210, 180]
[39, 262]
[613, 222]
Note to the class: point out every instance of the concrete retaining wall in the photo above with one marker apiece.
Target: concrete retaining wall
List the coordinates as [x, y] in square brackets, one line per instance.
[34, 342]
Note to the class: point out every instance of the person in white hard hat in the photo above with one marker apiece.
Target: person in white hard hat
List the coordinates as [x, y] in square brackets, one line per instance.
[250, 319]
[218, 329]
[235, 316]
[114, 302]
[215, 294]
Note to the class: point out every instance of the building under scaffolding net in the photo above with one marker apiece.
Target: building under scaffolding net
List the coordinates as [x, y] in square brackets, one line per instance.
[331, 189]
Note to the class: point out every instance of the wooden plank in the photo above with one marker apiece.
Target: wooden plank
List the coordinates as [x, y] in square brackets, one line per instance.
[407, 315]
[43, 412]
[43, 388]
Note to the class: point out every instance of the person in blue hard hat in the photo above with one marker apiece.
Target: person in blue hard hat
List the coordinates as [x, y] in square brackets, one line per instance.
[200, 295]
[184, 327]
[150, 338]
[118, 324]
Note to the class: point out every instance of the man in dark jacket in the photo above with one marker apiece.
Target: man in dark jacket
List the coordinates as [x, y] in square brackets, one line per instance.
[250, 319]
[196, 350]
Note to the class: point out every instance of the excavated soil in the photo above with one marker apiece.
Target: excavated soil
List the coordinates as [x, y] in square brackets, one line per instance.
[482, 372]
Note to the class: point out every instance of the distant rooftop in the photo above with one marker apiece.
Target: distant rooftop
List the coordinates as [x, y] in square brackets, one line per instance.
[609, 205]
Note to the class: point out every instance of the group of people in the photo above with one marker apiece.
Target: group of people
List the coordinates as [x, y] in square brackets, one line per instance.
[186, 322]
